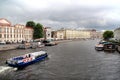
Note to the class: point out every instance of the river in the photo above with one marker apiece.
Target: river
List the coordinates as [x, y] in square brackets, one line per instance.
[75, 60]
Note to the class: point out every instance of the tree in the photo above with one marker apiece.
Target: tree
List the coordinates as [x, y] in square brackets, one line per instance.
[30, 24]
[108, 34]
[38, 31]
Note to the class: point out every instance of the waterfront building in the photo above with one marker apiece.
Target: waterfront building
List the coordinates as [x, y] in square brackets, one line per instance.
[47, 33]
[76, 34]
[94, 34]
[117, 33]
[16, 33]
[59, 34]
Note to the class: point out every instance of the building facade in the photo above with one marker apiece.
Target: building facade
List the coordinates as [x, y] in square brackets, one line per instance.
[16, 33]
[75, 34]
[117, 33]
[47, 33]
[95, 34]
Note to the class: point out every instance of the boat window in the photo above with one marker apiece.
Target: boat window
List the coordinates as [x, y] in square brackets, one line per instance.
[18, 58]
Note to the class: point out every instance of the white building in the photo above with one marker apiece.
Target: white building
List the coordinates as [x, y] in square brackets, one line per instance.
[117, 33]
[48, 33]
[16, 33]
[75, 34]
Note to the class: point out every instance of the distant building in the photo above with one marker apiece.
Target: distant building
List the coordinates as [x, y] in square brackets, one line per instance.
[16, 33]
[75, 34]
[95, 34]
[47, 33]
[59, 34]
[117, 33]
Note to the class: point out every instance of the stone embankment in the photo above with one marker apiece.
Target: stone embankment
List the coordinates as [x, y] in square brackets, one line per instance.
[15, 46]
[61, 41]
[8, 47]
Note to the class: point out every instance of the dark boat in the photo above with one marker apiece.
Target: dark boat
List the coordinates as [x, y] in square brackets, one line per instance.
[27, 59]
[49, 43]
[110, 47]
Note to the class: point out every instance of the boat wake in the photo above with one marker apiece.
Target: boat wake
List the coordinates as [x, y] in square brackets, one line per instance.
[4, 69]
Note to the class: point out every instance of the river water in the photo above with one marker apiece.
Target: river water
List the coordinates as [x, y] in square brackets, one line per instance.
[76, 60]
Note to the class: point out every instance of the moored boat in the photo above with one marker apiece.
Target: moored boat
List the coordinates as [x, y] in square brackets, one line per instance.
[100, 45]
[110, 47]
[24, 60]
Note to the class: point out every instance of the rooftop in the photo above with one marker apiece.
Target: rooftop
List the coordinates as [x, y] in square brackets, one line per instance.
[4, 22]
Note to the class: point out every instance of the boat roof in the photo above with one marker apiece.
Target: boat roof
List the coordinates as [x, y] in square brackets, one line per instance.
[37, 53]
[32, 54]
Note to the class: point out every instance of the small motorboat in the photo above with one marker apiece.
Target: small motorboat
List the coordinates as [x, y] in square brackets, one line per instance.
[49, 43]
[24, 60]
[99, 47]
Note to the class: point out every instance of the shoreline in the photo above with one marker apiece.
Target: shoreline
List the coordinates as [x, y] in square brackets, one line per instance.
[7, 47]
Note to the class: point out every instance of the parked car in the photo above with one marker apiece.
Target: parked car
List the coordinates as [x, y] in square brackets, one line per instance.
[49, 43]
[8, 42]
[2, 43]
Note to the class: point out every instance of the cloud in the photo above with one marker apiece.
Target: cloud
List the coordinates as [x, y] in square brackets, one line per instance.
[97, 14]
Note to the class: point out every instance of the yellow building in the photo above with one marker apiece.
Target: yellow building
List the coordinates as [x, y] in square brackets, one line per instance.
[75, 34]
[16, 33]
[72, 34]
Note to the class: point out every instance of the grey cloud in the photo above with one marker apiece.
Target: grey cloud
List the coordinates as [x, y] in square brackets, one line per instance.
[70, 16]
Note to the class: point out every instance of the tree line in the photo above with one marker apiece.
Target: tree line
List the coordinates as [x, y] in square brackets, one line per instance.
[38, 29]
[108, 34]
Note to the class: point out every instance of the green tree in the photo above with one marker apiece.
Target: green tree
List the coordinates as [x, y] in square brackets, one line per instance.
[30, 24]
[108, 34]
[38, 31]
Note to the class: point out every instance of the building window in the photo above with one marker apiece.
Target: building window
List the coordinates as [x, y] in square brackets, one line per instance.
[0, 29]
[7, 36]
[4, 35]
[11, 30]
[0, 35]
[4, 29]
[18, 31]
[29, 36]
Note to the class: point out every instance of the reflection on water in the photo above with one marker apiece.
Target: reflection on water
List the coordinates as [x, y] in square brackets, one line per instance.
[75, 60]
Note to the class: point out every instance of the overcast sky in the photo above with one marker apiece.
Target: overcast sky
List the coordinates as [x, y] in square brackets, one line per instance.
[96, 14]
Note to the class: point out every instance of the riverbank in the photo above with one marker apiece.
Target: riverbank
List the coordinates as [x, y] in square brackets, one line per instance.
[61, 41]
[8, 47]
[15, 46]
